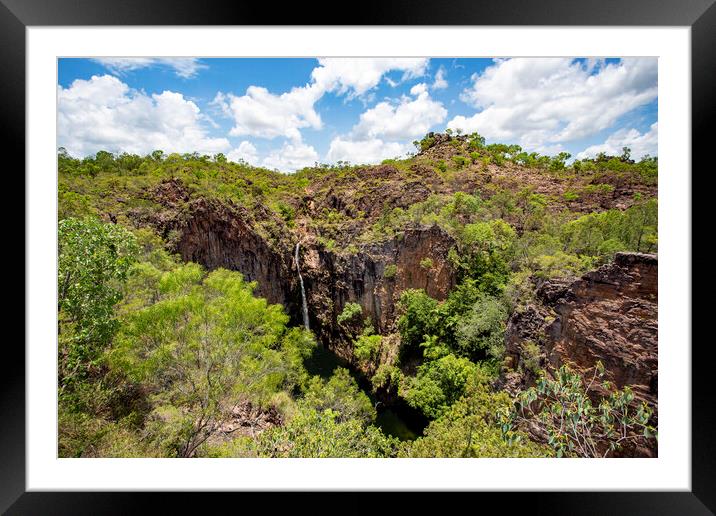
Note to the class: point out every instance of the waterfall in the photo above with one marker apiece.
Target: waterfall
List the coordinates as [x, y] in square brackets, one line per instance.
[304, 306]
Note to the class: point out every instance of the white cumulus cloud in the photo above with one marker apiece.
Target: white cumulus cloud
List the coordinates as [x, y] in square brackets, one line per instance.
[103, 113]
[291, 157]
[640, 144]
[186, 67]
[246, 151]
[263, 114]
[357, 75]
[367, 151]
[538, 102]
[408, 118]
[440, 82]
[384, 130]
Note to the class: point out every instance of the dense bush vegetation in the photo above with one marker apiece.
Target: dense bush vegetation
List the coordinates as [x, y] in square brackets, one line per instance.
[162, 358]
[574, 424]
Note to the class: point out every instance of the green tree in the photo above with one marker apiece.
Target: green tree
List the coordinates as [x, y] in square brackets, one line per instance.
[471, 428]
[350, 314]
[417, 319]
[487, 250]
[319, 434]
[93, 261]
[366, 346]
[573, 423]
[438, 384]
[483, 329]
[203, 348]
[342, 395]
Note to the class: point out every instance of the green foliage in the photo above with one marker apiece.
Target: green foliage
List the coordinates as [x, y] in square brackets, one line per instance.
[366, 347]
[390, 271]
[433, 349]
[424, 144]
[460, 161]
[469, 323]
[341, 395]
[602, 234]
[287, 212]
[73, 204]
[319, 434]
[485, 252]
[93, 261]
[82, 435]
[426, 263]
[471, 428]
[476, 141]
[438, 384]
[483, 329]
[386, 376]
[531, 356]
[576, 426]
[351, 313]
[202, 348]
[417, 319]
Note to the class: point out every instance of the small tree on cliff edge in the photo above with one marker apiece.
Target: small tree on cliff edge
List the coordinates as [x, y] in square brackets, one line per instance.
[572, 424]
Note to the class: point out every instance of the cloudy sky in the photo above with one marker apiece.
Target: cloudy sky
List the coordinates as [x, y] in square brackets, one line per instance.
[291, 113]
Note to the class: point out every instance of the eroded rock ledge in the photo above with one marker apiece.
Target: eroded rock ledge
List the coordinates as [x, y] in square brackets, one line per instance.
[608, 315]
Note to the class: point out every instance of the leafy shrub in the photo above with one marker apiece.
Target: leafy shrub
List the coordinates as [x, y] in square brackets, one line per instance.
[471, 428]
[433, 348]
[351, 313]
[417, 320]
[576, 426]
[203, 349]
[482, 330]
[366, 347]
[460, 161]
[341, 395]
[94, 259]
[318, 434]
[390, 271]
[531, 356]
[486, 250]
[424, 144]
[426, 263]
[386, 376]
[287, 212]
[438, 384]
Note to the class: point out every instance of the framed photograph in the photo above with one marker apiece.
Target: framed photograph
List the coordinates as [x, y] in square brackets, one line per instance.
[416, 250]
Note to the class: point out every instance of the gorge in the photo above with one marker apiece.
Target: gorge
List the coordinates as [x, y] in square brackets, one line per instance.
[464, 273]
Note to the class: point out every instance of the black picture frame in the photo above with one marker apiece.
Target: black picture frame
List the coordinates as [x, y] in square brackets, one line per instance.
[700, 15]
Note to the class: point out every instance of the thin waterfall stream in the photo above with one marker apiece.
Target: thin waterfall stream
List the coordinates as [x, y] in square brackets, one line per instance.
[304, 305]
[398, 420]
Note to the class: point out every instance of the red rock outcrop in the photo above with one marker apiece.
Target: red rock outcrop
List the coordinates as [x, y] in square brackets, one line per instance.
[608, 315]
[332, 280]
[217, 235]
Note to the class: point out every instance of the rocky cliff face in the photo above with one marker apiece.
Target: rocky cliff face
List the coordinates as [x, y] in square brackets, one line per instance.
[332, 280]
[219, 234]
[608, 315]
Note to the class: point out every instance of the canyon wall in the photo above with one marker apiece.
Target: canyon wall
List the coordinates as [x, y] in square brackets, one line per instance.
[218, 234]
[608, 315]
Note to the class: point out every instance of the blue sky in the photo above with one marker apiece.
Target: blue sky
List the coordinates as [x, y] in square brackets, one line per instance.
[290, 113]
